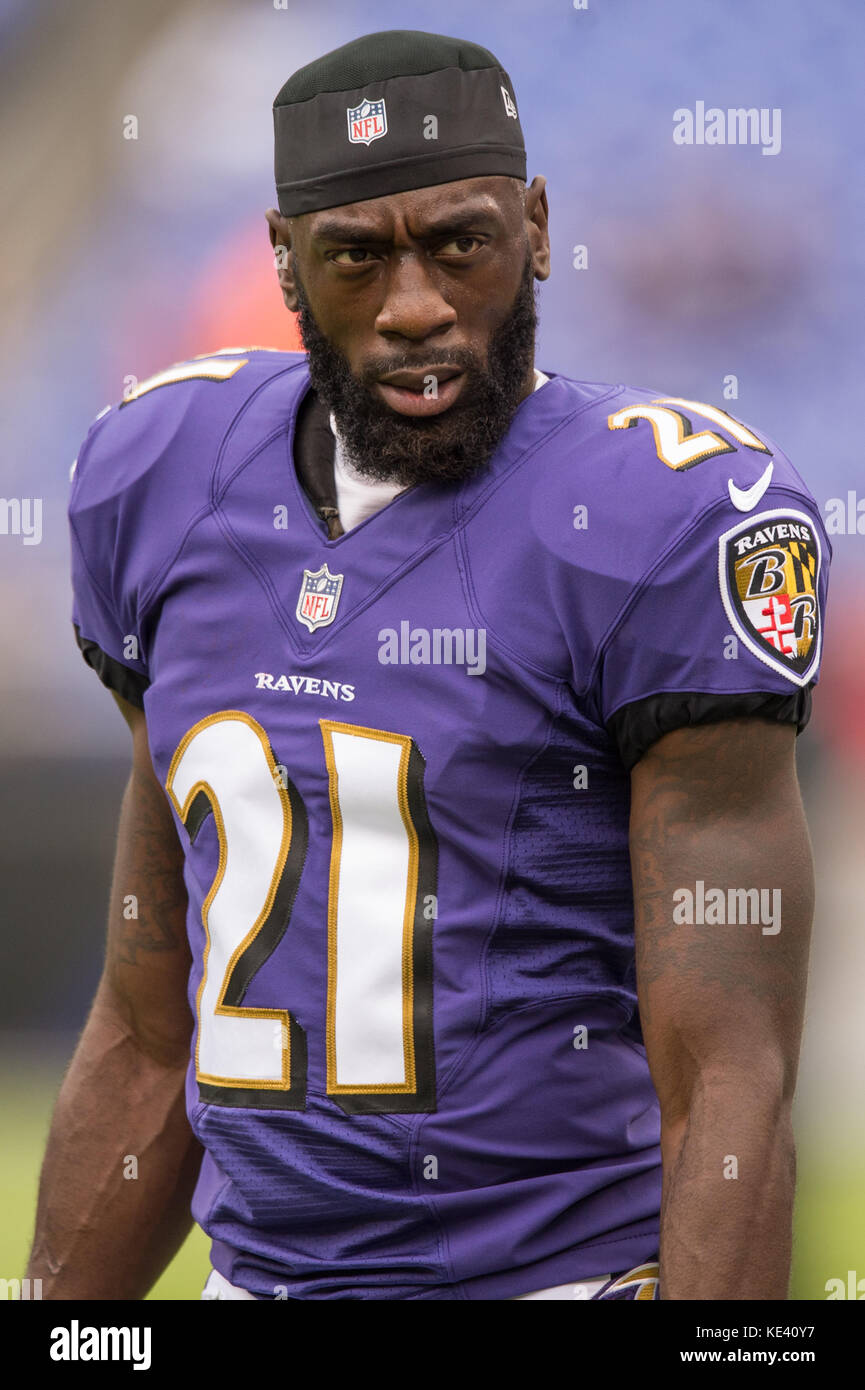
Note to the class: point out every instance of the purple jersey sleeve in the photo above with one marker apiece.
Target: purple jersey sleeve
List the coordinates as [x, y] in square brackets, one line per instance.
[728, 621]
[683, 589]
[142, 479]
[104, 612]
[661, 591]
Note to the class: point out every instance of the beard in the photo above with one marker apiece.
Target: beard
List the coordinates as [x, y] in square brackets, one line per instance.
[383, 445]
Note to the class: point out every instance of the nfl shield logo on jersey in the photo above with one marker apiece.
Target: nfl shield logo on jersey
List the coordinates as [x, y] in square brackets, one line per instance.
[366, 122]
[319, 596]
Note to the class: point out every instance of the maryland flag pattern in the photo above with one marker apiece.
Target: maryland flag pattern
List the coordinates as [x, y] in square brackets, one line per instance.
[769, 570]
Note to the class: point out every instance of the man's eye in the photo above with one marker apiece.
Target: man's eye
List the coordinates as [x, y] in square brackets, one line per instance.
[460, 243]
[355, 252]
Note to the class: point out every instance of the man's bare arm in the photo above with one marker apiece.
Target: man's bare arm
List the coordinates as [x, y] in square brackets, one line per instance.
[722, 1005]
[102, 1233]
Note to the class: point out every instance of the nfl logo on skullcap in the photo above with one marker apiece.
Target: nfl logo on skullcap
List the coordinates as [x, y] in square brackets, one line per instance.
[319, 597]
[367, 122]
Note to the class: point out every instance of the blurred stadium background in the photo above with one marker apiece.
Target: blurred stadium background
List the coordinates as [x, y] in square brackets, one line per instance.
[122, 255]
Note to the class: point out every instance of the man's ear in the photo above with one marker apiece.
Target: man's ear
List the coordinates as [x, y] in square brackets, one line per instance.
[537, 226]
[280, 240]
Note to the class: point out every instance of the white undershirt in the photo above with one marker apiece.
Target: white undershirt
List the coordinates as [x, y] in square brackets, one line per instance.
[358, 498]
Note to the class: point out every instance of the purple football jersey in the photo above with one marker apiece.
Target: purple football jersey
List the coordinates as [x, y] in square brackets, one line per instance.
[399, 766]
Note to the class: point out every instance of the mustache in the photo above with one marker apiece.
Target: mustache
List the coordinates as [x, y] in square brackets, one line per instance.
[463, 358]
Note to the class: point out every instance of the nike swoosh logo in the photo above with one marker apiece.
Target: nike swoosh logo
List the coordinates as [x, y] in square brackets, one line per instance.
[747, 498]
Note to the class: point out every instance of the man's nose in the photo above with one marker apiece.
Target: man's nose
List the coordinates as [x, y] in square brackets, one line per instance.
[413, 305]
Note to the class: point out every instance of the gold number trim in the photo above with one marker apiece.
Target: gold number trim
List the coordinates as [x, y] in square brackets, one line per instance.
[210, 369]
[229, 1010]
[675, 444]
[409, 1086]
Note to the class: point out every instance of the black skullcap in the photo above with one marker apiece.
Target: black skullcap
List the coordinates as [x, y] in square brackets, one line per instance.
[391, 111]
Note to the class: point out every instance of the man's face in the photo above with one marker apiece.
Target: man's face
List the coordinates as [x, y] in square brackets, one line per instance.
[418, 314]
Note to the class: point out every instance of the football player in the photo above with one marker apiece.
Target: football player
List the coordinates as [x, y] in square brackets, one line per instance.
[460, 916]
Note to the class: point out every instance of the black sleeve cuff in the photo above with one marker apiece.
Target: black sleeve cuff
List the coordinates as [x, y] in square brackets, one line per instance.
[128, 684]
[634, 728]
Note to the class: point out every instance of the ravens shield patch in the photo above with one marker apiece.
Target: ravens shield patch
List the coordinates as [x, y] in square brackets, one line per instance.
[769, 571]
